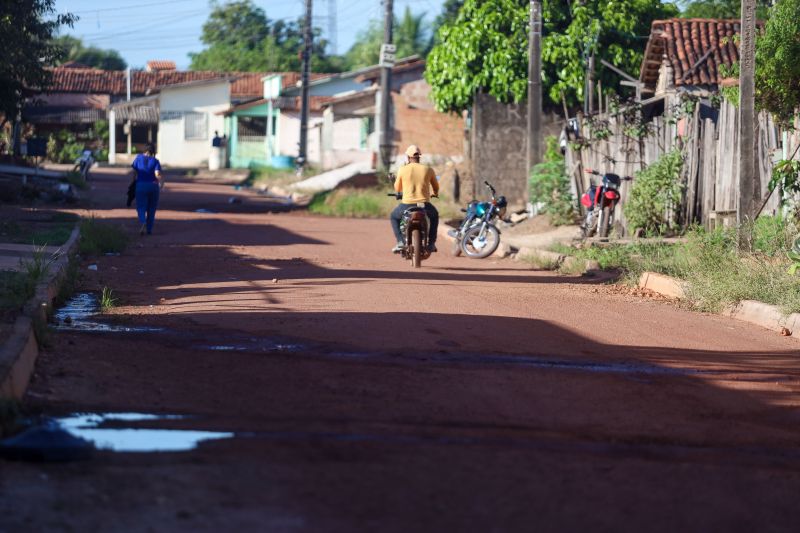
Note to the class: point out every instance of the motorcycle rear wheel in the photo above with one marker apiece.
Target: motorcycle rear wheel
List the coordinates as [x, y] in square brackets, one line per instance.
[476, 246]
[416, 245]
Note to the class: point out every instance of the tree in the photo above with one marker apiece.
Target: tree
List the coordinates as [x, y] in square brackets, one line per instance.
[777, 68]
[410, 36]
[240, 37]
[721, 9]
[486, 48]
[27, 28]
[75, 50]
[450, 10]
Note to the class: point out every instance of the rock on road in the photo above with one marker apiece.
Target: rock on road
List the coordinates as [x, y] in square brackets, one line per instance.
[366, 395]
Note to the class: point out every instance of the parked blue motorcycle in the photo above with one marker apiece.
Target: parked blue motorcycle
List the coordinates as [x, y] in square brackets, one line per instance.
[477, 236]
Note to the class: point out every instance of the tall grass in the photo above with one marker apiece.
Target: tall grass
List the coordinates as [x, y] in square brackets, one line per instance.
[99, 237]
[715, 272]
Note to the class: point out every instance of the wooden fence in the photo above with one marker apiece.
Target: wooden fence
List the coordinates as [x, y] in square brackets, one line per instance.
[708, 138]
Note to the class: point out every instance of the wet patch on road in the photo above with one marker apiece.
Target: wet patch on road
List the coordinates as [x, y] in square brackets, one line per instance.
[79, 312]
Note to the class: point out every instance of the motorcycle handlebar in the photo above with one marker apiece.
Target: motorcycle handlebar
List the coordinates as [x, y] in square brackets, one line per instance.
[591, 171]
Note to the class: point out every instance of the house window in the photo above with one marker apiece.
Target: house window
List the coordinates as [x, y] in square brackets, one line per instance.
[252, 126]
[195, 126]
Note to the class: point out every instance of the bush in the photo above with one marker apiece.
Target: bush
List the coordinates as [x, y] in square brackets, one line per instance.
[656, 195]
[64, 147]
[549, 185]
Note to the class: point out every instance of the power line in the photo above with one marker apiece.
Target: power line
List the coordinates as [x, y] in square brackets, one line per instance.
[129, 7]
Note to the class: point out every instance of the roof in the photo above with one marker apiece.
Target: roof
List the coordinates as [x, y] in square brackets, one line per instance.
[367, 93]
[695, 48]
[160, 64]
[292, 103]
[88, 80]
[401, 65]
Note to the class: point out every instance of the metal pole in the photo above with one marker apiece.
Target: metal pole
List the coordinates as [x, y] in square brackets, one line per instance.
[747, 124]
[534, 85]
[385, 135]
[302, 156]
[129, 125]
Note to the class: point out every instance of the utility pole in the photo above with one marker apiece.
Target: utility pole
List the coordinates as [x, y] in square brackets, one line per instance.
[386, 63]
[747, 139]
[302, 155]
[535, 85]
[128, 124]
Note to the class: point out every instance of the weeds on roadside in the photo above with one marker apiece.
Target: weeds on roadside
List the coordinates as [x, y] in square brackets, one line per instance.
[540, 262]
[715, 272]
[42, 331]
[101, 237]
[38, 266]
[107, 300]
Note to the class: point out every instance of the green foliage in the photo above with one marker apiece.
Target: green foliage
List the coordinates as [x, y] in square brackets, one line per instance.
[357, 203]
[64, 147]
[656, 192]
[240, 37]
[786, 178]
[16, 288]
[27, 28]
[722, 9]
[549, 185]
[716, 275]
[410, 36]
[91, 56]
[107, 300]
[486, 48]
[794, 257]
[101, 237]
[777, 67]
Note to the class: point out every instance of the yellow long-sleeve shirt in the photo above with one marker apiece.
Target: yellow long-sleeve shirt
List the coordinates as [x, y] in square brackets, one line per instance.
[416, 182]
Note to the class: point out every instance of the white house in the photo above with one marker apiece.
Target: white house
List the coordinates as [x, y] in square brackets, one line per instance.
[189, 114]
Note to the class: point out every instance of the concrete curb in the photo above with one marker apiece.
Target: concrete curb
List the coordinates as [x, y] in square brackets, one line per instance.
[758, 313]
[662, 284]
[19, 352]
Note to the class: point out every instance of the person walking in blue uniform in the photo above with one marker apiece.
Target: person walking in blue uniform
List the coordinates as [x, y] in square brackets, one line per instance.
[147, 174]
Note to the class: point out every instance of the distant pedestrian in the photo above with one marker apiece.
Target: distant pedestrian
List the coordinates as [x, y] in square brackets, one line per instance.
[147, 175]
[216, 142]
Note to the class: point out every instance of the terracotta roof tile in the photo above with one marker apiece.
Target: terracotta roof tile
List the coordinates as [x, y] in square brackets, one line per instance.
[87, 80]
[694, 47]
[160, 64]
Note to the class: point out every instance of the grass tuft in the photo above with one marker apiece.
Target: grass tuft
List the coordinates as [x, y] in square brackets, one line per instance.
[101, 237]
[107, 300]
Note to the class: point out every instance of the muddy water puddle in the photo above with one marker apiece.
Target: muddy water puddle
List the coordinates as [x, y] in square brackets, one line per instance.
[93, 428]
[79, 313]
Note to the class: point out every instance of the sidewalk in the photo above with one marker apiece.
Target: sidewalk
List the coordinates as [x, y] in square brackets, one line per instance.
[12, 255]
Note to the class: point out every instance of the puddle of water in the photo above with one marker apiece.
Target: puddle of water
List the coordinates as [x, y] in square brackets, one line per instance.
[255, 345]
[87, 426]
[77, 314]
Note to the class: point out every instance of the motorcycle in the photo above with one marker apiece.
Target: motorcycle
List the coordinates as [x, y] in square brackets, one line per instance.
[477, 237]
[414, 226]
[600, 201]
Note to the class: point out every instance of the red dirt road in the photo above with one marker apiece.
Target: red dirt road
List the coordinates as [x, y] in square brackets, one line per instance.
[463, 396]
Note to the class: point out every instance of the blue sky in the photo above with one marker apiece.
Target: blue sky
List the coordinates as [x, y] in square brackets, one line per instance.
[148, 29]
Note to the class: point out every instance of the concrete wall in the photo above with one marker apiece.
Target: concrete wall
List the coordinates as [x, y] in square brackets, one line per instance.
[499, 148]
[174, 102]
[288, 134]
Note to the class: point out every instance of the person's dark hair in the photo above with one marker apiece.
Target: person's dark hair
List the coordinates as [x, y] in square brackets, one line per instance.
[150, 148]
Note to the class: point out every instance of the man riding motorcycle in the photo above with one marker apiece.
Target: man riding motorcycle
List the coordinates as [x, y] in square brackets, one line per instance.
[416, 182]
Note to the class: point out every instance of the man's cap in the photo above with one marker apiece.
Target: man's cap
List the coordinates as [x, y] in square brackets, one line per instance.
[413, 151]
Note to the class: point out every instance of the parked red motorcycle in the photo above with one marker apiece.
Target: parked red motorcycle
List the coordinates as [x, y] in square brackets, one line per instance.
[600, 201]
